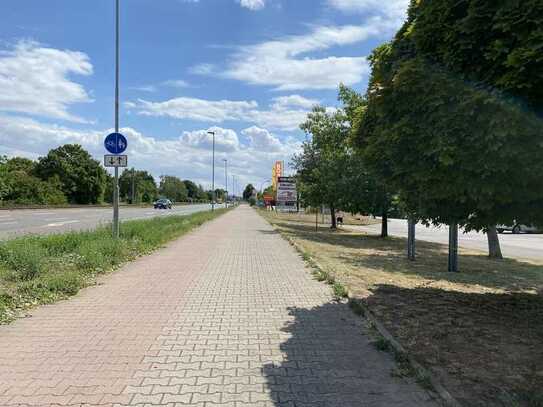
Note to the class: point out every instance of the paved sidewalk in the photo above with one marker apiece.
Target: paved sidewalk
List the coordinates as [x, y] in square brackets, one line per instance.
[225, 316]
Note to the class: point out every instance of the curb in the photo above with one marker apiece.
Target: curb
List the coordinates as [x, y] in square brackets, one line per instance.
[446, 397]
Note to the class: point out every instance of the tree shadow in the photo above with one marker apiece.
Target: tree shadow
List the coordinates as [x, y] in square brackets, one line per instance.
[268, 232]
[371, 252]
[486, 348]
[326, 362]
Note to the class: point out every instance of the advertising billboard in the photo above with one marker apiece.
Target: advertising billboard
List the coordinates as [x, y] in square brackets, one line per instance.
[287, 195]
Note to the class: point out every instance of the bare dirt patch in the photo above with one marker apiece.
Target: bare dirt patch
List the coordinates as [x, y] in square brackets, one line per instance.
[480, 331]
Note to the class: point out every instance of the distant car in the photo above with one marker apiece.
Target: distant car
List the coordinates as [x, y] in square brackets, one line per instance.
[517, 228]
[163, 204]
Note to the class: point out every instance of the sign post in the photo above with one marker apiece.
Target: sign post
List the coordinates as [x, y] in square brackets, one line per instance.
[116, 143]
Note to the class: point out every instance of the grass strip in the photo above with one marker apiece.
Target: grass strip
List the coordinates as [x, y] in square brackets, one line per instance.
[43, 269]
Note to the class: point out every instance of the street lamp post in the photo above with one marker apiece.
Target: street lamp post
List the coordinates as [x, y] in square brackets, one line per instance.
[226, 181]
[213, 174]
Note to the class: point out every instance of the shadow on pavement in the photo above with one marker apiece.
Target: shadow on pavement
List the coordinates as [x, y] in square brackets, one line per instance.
[327, 362]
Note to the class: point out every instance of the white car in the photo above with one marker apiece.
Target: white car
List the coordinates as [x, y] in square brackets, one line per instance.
[517, 228]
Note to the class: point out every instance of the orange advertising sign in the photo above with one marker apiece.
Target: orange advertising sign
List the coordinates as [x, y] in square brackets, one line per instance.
[277, 171]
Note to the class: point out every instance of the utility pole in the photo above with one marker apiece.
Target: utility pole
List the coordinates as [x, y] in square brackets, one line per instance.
[116, 180]
[133, 186]
[226, 181]
[213, 173]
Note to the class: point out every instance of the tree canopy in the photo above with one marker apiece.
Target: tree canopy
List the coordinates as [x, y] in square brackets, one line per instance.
[195, 192]
[248, 191]
[82, 179]
[19, 185]
[323, 162]
[459, 140]
[172, 188]
[143, 184]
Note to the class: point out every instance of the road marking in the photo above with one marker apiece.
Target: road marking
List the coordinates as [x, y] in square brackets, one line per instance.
[8, 223]
[43, 213]
[53, 225]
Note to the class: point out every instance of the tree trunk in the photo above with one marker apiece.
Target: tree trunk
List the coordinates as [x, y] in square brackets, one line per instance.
[384, 224]
[494, 250]
[453, 247]
[411, 239]
[333, 217]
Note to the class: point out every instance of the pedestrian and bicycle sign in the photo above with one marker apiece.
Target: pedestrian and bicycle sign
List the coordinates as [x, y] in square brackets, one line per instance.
[111, 160]
[115, 143]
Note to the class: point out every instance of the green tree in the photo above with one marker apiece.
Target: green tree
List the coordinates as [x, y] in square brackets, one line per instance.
[364, 191]
[4, 185]
[18, 184]
[324, 159]
[195, 192]
[138, 186]
[248, 191]
[81, 177]
[20, 164]
[172, 188]
[220, 194]
[452, 114]
[108, 189]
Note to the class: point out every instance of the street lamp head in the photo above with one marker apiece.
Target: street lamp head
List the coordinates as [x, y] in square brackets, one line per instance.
[211, 132]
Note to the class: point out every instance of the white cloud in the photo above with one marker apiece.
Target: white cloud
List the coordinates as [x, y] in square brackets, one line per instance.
[285, 113]
[253, 4]
[295, 101]
[173, 83]
[176, 83]
[34, 80]
[283, 63]
[225, 139]
[186, 156]
[195, 109]
[145, 88]
[392, 10]
[262, 139]
[202, 69]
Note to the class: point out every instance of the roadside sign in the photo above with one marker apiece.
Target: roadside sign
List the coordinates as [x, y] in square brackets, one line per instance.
[115, 143]
[286, 193]
[111, 160]
[268, 199]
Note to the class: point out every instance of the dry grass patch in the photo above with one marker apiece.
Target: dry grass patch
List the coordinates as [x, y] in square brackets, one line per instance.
[480, 331]
[323, 220]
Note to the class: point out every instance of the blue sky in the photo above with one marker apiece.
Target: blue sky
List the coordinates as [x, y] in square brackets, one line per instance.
[249, 69]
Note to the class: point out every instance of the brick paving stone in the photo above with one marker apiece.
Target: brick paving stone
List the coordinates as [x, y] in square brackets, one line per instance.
[226, 316]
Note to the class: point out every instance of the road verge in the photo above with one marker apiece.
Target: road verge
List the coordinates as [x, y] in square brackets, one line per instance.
[477, 333]
[38, 270]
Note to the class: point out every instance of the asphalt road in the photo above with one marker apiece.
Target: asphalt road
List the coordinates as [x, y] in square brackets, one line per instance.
[522, 246]
[44, 221]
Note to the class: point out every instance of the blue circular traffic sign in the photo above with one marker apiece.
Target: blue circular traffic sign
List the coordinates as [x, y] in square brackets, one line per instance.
[115, 143]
